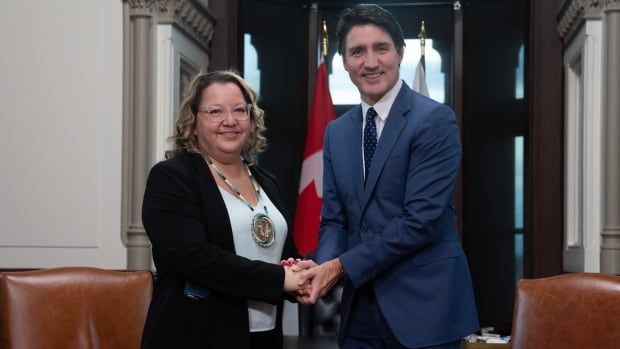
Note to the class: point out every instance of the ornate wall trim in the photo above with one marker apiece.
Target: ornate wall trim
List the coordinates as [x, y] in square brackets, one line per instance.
[573, 14]
[612, 5]
[140, 7]
[570, 18]
[191, 16]
[593, 9]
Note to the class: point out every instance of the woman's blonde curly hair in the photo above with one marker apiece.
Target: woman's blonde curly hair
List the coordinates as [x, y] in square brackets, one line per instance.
[184, 139]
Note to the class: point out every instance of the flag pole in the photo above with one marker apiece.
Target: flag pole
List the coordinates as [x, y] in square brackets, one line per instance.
[419, 77]
[422, 37]
[324, 40]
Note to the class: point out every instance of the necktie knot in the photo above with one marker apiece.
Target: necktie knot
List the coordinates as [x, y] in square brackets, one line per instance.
[370, 115]
[370, 139]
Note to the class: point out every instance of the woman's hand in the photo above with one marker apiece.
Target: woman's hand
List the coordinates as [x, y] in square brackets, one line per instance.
[289, 261]
[291, 280]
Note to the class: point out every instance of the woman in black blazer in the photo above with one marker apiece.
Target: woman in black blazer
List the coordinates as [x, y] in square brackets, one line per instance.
[218, 227]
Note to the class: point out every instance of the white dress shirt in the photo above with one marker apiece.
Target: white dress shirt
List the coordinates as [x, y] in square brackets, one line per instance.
[382, 107]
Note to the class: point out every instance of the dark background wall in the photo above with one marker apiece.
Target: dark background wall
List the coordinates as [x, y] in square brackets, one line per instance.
[278, 33]
[493, 117]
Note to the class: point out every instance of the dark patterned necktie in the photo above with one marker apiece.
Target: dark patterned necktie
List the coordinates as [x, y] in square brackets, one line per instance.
[370, 139]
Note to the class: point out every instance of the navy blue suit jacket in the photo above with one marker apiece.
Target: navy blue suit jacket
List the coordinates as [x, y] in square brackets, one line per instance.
[398, 230]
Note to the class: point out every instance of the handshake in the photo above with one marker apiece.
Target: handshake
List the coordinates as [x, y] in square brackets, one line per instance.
[309, 281]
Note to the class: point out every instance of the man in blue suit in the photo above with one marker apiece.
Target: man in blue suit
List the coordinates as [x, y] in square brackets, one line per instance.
[388, 222]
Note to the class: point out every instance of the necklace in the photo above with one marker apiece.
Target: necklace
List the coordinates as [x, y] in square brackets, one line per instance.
[262, 229]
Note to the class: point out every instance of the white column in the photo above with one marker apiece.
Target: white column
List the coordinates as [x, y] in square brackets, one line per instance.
[610, 247]
[583, 59]
[137, 143]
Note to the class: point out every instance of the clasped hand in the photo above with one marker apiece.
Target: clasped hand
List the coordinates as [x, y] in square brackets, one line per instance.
[313, 281]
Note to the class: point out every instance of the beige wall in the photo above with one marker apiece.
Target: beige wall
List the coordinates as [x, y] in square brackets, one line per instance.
[61, 134]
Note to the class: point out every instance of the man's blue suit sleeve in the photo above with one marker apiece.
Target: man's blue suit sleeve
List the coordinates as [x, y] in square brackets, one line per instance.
[333, 227]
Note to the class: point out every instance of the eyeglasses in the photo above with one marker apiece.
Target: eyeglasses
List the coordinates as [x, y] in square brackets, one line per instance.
[217, 113]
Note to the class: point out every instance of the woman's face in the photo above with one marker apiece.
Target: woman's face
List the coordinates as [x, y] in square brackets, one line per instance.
[222, 128]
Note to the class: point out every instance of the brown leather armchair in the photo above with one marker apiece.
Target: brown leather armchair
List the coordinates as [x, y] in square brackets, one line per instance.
[73, 307]
[579, 310]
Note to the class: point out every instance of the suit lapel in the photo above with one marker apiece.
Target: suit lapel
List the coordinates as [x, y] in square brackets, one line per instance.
[354, 145]
[392, 129]
[214, 208]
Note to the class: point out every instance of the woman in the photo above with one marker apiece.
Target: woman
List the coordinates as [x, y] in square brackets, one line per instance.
[218, 227]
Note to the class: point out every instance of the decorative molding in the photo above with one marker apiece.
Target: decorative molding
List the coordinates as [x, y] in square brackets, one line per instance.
[612, 5]
[593, 9]
[187, 71]
[612, 235]
[140, 7]
[191, 16]
[140, 3]
[573, 14]
[571, 17]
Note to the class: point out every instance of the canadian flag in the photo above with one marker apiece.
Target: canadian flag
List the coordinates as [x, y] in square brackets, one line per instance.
[308, 213]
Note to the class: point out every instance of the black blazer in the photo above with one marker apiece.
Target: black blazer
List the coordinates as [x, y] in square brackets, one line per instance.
[187, 222]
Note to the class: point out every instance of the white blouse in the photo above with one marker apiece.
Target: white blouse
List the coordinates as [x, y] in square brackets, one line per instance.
[262, 315]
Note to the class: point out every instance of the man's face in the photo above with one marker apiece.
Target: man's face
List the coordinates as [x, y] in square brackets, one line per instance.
[372, 61]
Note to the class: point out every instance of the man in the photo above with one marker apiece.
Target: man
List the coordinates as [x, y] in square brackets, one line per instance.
[388, 224]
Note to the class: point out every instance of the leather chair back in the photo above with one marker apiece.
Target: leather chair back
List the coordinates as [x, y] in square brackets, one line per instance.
[579, 310]
[323, 318]
[73, 307]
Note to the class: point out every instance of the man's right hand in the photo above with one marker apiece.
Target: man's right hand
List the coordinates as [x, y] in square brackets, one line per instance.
[303, 264]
